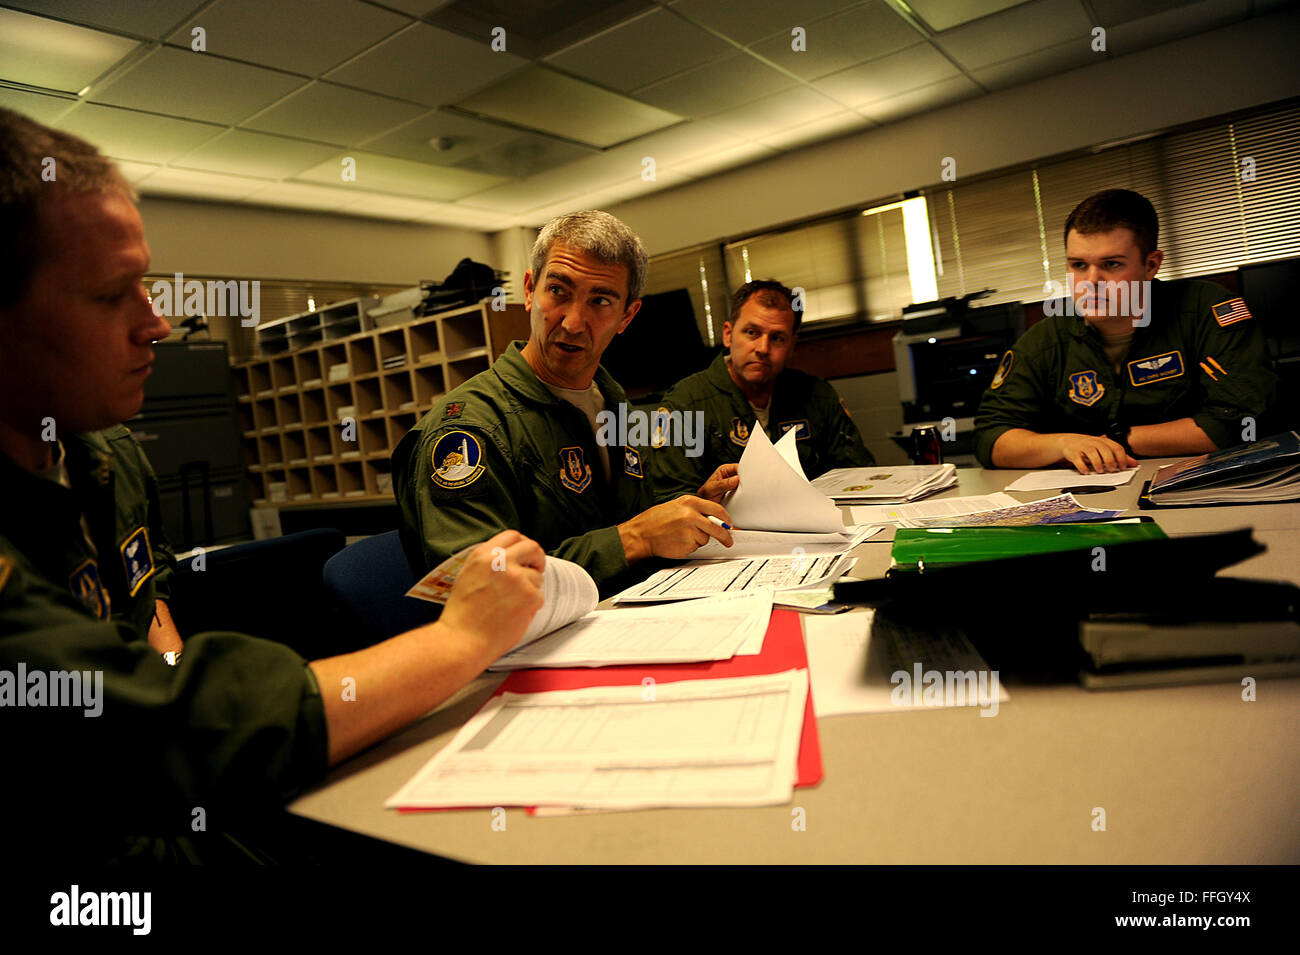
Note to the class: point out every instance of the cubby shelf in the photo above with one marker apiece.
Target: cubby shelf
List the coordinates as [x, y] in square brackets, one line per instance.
[320, 421]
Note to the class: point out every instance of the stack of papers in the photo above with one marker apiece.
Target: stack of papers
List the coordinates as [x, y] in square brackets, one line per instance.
[700, 578]
[886, 485]
[720, 742]
[774, 494]
[1068, 477]
[783, 543]
[1267, 470]
[715, 628]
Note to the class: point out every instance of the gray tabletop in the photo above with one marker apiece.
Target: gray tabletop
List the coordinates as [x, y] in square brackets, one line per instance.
[1188, 774]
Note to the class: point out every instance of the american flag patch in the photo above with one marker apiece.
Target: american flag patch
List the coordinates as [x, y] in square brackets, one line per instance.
[1233, 310]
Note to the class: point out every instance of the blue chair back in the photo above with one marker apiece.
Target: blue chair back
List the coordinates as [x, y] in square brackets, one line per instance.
[369, 580]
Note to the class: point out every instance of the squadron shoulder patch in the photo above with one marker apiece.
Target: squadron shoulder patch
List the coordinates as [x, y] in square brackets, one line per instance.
[739, 433]
[457, 460]
[85, 586]
[575, 473]
[1085, 389]
[632, 463]
[1230, 312]
[137, 559]
[1143, 371]
[1004, 369]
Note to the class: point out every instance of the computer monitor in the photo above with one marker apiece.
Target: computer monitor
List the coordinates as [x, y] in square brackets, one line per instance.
[661, 347]
[1269, 289]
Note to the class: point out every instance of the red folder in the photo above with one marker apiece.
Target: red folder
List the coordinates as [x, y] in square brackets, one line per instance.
[783, 649]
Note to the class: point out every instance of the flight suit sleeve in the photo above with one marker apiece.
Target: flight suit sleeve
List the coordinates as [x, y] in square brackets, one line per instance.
[1233, 367]
[672, 471]
[164, 557]
[844, 448]
[239, 724]
[1017, 397]
[438, 521]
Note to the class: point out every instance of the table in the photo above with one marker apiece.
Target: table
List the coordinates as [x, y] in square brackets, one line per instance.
[1188, 774]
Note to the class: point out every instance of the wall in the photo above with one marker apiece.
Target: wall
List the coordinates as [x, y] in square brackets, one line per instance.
[209, 238]
[1213, 73]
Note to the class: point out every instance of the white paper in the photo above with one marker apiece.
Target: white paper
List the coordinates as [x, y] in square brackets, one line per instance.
[775, 496]
[568, 592]
[1068, 477]
[901, 514]
[884, 484]
[714, 628]
[779, 543]
[704, 578]
[724, 742]
[849, 675]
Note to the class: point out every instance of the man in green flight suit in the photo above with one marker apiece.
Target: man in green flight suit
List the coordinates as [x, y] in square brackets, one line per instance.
[111, 747]
[522, 445]
[1143, 368]
[749, 386]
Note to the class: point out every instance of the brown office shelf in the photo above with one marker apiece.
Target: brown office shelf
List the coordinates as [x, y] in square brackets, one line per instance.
[294, 405]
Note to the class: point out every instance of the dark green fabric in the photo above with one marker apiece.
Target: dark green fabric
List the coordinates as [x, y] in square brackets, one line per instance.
[1036, 392]
[520, 428]
[238, 726]
[831, 439]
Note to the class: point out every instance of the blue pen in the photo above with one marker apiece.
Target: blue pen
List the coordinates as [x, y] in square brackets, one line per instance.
[722, 524]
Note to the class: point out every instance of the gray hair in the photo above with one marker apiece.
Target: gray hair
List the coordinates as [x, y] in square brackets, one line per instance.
[599, 235]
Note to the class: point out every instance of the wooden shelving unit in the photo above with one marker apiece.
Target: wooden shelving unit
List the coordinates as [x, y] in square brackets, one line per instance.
[292, 403]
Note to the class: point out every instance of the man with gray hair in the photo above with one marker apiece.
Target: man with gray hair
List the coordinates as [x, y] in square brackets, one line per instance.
[516, 446]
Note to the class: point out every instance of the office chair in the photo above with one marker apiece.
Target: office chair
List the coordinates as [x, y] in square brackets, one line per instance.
[368, 582]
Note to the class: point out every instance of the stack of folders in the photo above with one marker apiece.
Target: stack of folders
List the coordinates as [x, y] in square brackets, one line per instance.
[394, 361]
[1262, 471]
[1147, 609]
[886, 485]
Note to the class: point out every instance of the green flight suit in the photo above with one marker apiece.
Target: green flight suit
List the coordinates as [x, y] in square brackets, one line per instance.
[238, 725]
[827, 437]
[502, 451]
[1200, 355]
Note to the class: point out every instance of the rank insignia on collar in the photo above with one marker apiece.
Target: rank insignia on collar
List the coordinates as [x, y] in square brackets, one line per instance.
[453, 410]
[1085, 389]
[1143, 371]
[137, 559]
[632, 463]
[739, 432]
[85, 586]
[799, 426]
[457, 460]
[1004, 369]
[575, 473]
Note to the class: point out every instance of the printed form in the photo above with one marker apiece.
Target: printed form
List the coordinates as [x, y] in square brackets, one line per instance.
[725, 742]
[704, 578]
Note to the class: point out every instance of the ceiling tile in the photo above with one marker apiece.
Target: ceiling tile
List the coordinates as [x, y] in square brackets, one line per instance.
[298, 196]
[748, 20]
[417, 140]
[196, 86]
[402, 177]
[819, 130]
[136, 171]
[243, 153]
[945, 14]
[142, 137]
[641, 51]
[1165, 27]
[715, 87]
[843, 40]
[725, 159]
[299, 36]
[150, 18]
[428, 65]
[1022, 69]
[535, 28]
[201, 185]
[589, 114]
[333, 114]
[909, 69]
[952, 90]
[794, 107]
[524, 156]
[681, 142]
[53, 55]
[1023, 30]
[37, 106]
[1114, 12]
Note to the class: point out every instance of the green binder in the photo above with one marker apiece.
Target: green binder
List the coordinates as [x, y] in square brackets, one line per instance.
[946, 546]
